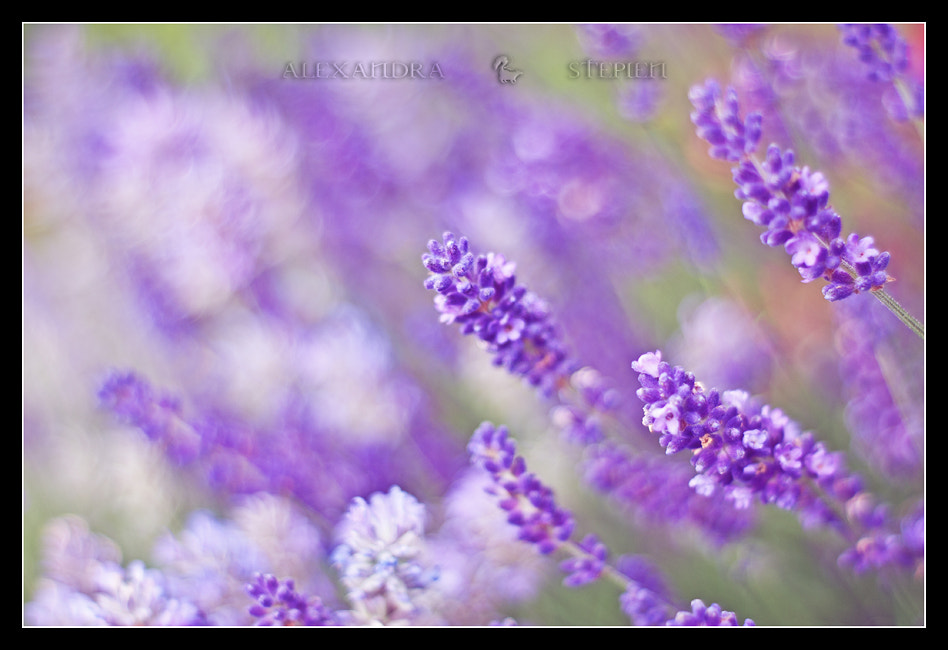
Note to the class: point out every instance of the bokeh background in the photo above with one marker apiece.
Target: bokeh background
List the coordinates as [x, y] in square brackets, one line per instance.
[246, 240]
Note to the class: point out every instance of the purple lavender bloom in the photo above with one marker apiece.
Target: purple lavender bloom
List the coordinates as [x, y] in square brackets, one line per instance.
[883, 51]
[516, 327]
[737, 447]
[707, 615]
[480, 293]
[717, 116]
[788, 201]
[753, 452]
[278, 603]
[529, 503]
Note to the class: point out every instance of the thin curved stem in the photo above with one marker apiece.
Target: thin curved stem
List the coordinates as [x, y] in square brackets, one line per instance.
[900, 312]
[886, 299]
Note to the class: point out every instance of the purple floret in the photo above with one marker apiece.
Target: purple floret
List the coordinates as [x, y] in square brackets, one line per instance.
[791, 203]
[278, 603]
[530, 505]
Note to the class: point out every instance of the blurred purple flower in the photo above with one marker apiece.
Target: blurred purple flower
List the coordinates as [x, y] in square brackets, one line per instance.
[86, 585]
[612, 41]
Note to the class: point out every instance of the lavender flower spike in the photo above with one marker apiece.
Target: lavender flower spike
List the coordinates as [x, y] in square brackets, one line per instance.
[530, 504]
[755, 452]
[790, 202]
[884, 54]
[718, 120]
[749, 452]
[480, 293]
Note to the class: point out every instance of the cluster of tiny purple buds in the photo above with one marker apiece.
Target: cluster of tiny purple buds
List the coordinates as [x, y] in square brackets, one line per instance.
[791, 203]
[748, 451]
[751, 451]
[885, 56]
[480, 293]
[278, 603]
[718, 121]
[880, 48]
[529, 504]
[707, 615]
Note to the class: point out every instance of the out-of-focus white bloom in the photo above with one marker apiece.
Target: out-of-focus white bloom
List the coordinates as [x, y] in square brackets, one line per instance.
[378, 560]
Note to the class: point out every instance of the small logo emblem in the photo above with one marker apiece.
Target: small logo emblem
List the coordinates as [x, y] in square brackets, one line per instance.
[504, 74]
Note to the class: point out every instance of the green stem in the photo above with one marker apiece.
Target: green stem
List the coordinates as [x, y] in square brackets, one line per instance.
[905, 93]
[900, 312]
